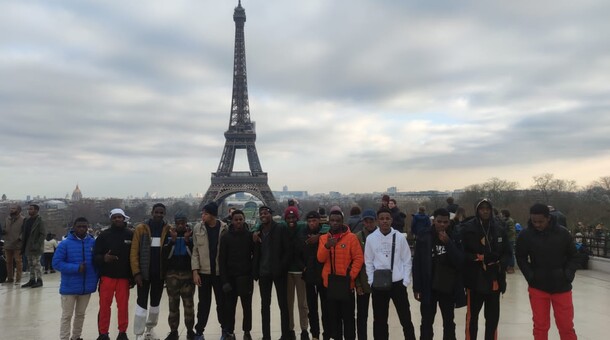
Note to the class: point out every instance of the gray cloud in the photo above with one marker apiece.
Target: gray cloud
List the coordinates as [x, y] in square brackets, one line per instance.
[353, 87]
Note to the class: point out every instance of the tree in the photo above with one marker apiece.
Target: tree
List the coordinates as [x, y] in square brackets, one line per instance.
[550, 187]
[501, 192]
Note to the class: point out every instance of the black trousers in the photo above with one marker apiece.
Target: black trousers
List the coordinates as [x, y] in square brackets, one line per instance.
[492, 314]
[313, 292]
[209, 283]
[428, 312]
[154, 286]
[230, 305]
[342, 321]
[362, 315]
[48, 261]
[381, 306]
[265, 284]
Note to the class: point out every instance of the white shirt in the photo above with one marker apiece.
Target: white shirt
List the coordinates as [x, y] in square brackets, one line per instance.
[378, 255]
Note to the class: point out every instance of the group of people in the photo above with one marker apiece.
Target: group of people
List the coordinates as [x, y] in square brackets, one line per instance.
[330, 268]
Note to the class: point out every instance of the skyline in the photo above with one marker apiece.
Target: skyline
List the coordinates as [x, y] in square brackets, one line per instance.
[351, 96]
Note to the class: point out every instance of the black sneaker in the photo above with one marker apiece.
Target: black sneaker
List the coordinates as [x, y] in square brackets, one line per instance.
[190, 335]
[28, 284]
[173, 335]
[103, 337]
[122, 336]
[37, 284]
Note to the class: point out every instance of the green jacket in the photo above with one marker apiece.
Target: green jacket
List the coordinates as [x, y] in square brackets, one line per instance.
[510, 229]
[35, 242]
[362, 280]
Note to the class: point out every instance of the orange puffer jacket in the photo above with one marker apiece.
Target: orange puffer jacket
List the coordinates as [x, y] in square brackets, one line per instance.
[346, 251]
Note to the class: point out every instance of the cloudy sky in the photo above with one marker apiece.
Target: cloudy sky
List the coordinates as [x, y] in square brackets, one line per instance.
[129, 97]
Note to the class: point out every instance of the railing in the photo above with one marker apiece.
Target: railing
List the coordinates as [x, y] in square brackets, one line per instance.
[596, 246]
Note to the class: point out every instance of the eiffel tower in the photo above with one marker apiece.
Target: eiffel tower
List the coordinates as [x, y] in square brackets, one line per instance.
[240, 135]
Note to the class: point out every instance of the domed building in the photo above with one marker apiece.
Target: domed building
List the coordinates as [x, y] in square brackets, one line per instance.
[76, 194]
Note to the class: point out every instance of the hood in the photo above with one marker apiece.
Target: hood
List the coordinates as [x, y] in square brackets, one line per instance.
[484, 200]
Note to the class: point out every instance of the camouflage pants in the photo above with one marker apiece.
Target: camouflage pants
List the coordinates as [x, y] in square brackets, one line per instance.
[35, 267]
[180, 285]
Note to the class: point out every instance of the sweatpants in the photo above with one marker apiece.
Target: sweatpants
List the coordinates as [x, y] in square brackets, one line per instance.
[475, 302]
[73, 305]
[563, 311]
[119, 289]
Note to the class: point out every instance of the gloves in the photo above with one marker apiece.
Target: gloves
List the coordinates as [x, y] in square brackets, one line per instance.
[227, 287]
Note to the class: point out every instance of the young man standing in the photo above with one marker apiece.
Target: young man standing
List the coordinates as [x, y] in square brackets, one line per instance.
[112, 250]
[546, 255]
[12, 243]
[271, 258]
[74, 260]
[312, 274]
[437, 279]
[383, 245]
[204, 264]
[176, 253]
[33, 244]
[294, 280]
[235, 263]
[363, 289]
[342, 248]
[486, 255]
[147, 269]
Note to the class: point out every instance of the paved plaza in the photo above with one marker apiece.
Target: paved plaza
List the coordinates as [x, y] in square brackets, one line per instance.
[34, 313]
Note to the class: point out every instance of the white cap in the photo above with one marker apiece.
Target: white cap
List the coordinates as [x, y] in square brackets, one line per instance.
[118, 211]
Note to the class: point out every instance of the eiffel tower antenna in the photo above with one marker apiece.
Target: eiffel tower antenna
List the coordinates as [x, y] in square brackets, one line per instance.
[240, 135]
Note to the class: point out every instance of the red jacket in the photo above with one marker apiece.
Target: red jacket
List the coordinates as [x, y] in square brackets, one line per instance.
[347, 251]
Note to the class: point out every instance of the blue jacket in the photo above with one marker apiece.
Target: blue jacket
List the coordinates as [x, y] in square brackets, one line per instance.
[68, 256]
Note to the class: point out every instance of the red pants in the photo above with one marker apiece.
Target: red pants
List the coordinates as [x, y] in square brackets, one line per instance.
[109, 288]
[563, 310]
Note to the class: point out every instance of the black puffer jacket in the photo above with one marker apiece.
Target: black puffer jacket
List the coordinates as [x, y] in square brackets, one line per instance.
[491, 242]
[235, 255]
[281, 252]
[547, 258]
[117, 240]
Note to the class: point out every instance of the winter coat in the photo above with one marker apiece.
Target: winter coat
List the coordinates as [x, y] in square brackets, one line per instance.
[424, 266]
[235, 255]
[35, 242]
[139, 256]
[200, 261]
[12, 233]
[176, 255]
[477, 275]
[69, 255]
[547, 258]
[420, 222]
[117, 240]
[347, 253]
[280, 251]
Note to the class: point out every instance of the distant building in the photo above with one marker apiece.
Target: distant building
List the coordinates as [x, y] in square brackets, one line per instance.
[392, 190]
[77, 195]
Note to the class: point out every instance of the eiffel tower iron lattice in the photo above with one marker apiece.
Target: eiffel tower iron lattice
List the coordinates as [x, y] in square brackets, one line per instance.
[240, 135]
